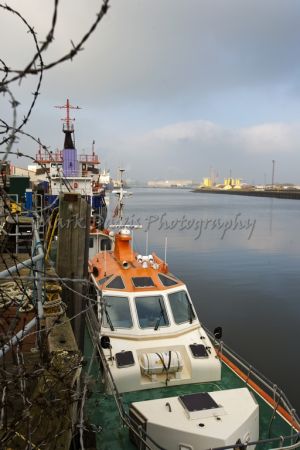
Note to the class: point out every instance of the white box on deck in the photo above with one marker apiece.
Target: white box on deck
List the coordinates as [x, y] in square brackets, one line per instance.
[170, 425]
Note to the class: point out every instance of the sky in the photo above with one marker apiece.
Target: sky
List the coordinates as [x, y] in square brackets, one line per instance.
[169, 89]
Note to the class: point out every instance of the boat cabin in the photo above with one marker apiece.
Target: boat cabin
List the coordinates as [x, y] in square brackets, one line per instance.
[150, 332]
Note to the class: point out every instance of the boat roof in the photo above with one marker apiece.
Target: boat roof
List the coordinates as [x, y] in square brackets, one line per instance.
[124, 270]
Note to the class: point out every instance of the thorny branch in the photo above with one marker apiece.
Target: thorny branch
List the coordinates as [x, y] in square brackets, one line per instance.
[40, 386]
[4, 84]
[36, 66]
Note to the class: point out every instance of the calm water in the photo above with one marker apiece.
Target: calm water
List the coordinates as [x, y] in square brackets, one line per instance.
[240, 258]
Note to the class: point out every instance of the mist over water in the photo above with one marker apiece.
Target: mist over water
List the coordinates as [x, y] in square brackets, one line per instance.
[240, 258]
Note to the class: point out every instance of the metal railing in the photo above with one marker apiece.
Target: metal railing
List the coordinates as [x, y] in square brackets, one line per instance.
[129, 422]
[56, 156]
[254, 376]
[289, 442]
[282, 439]
[89, 159]
[35, 262]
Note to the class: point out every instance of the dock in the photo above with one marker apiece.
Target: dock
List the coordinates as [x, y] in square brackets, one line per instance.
[287, 194]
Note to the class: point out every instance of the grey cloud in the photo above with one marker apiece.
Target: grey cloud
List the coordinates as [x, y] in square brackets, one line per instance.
[149, 50]
[188, 150]
[154, 62]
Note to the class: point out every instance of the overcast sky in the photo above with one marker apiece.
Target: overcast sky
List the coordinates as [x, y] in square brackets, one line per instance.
[170, 88]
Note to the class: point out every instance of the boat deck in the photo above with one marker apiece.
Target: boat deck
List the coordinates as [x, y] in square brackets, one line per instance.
[102, 410]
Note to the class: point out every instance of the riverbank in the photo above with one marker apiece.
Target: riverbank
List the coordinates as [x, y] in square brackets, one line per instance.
[289, 194]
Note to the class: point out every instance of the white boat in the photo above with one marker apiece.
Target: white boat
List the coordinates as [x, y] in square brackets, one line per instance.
[181, 387]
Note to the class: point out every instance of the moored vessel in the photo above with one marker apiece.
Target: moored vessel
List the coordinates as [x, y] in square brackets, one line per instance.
[64, 171]
[174, 384]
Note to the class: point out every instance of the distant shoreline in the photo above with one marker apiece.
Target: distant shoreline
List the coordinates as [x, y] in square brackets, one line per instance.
[287, 194]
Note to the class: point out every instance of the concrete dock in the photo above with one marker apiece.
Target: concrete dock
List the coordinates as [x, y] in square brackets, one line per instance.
[288, 194]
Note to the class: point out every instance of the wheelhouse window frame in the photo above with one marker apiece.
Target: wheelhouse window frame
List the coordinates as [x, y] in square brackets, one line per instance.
[115, 278]
[190, 307]
[105, 319]
[104, 280]
[165, 309]
[138, 282]
[171, 281]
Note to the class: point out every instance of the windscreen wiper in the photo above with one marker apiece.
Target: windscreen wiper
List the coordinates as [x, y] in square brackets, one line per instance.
[191, 312]
[108, 318]
[161, 315]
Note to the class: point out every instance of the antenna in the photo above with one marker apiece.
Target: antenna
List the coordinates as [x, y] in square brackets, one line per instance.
[68, 119]
[132, 243]
[166, 245]
[121, 193]
[147, 241]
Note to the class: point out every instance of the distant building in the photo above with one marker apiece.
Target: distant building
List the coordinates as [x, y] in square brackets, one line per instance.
[20, 171]
[207, 182]
[32, 168]
[170, 183]
[229, 183]
[232, 181]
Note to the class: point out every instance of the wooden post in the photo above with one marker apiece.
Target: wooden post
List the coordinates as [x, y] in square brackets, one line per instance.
[72, 256]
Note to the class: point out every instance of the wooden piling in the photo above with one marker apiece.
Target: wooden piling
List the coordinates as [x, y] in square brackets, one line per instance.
[72, 257]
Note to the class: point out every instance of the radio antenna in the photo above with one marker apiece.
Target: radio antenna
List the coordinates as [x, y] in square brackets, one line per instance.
[166, 245]
[105, 260]
[147, 241]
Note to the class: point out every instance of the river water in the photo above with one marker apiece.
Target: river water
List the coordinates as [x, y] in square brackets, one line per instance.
[240, 258]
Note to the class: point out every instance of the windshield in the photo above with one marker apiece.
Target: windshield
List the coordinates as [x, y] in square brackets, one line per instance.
[116, 312]
[151, 312]
[181, 307]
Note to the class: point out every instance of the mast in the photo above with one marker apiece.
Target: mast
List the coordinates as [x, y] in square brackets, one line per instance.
[67, 120]
[70, 163]
[121, 194]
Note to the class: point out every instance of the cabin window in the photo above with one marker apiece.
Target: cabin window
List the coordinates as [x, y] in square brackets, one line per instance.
[116, 312]
[105, 244]
[167, 281]
[151, 312]
[91, 242]
[102, 280]
[142, 282]
[116, 283]
[181, 307]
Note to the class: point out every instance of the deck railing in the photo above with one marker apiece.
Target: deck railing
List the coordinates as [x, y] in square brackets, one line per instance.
[89, 159]
[265, 442]
[253, 378]
[129, 422]
[248, 373]
[45, 156]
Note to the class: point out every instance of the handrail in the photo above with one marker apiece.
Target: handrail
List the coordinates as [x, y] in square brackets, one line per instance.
[123, 415]
[52, 226]
[258, 378]
[28, 262]
[34, 260]
[265, 441]
[252, 373]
